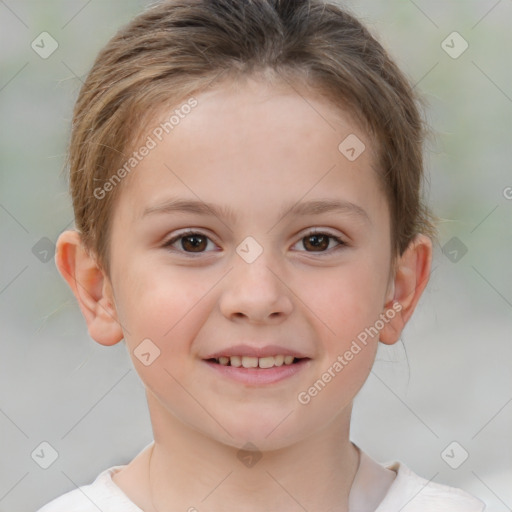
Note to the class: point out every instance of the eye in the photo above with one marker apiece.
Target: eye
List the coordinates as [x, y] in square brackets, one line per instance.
[189, 241]
[317, 241]
[197, 242]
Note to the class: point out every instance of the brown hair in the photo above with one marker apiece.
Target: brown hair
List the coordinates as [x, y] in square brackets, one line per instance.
[180, 47]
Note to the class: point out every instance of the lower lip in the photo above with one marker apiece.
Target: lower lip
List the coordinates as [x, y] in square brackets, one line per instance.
[259, 376]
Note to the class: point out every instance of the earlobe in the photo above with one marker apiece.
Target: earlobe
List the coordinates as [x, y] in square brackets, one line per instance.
[411, 276]
[90, 286]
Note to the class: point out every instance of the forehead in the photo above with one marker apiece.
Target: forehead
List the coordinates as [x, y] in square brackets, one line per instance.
[255, 108]
[241, 137]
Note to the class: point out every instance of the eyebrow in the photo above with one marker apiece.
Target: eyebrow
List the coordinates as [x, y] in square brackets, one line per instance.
[316, 207]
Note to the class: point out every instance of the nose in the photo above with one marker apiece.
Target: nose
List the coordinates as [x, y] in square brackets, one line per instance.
[255, 293]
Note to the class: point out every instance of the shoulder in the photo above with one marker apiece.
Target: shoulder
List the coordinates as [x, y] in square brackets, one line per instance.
[412, 493]
[103, 494]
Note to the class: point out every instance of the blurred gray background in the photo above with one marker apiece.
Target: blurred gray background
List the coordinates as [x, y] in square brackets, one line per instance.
[449, 381]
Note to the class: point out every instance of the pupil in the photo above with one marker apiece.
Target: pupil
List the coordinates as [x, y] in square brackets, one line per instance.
[197, 243]
[318, 241]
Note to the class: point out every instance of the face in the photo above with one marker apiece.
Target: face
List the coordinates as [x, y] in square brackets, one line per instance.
[246, 232]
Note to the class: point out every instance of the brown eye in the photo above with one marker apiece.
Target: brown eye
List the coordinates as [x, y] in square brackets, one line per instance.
[189, 242]
[194, 243]
[319, 242]
[316, 242]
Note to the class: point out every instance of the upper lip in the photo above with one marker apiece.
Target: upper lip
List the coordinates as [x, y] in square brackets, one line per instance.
[247, 350]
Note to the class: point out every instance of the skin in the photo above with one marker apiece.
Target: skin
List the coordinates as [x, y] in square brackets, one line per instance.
[254, 149]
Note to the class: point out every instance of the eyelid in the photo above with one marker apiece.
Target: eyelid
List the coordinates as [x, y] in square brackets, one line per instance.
[181, 234]
[312, 231]
[322, 231]
[340, 239]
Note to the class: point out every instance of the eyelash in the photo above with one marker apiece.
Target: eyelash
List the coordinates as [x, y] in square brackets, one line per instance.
[169, 243]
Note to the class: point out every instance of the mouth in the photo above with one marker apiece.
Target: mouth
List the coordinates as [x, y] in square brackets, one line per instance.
[254, 372]
[256, 362]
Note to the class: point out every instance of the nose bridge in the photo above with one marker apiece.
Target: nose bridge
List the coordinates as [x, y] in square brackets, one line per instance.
[258, 272]
[254, 289]
[256, 275]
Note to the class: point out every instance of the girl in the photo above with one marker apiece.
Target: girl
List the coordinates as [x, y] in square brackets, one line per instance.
[246, 180]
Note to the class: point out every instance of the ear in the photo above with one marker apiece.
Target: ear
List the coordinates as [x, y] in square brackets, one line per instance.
[91, 287]
[412, 272]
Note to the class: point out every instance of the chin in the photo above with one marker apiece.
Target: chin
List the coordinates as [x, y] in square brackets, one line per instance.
[271, 431]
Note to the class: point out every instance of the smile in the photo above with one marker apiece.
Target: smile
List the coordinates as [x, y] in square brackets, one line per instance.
[258, 371]
[255, 362]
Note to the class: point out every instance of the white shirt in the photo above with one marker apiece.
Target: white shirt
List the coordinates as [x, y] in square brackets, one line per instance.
[406, 492]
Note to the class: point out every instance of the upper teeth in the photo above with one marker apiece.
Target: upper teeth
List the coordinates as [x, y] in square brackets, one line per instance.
[255, 362]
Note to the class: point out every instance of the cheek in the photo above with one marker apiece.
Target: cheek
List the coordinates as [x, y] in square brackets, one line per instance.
[158, 302]
[346, 299]
[347, 302]
[162, 310]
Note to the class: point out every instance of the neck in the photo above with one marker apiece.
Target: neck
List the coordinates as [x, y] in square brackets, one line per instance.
[193, 472]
